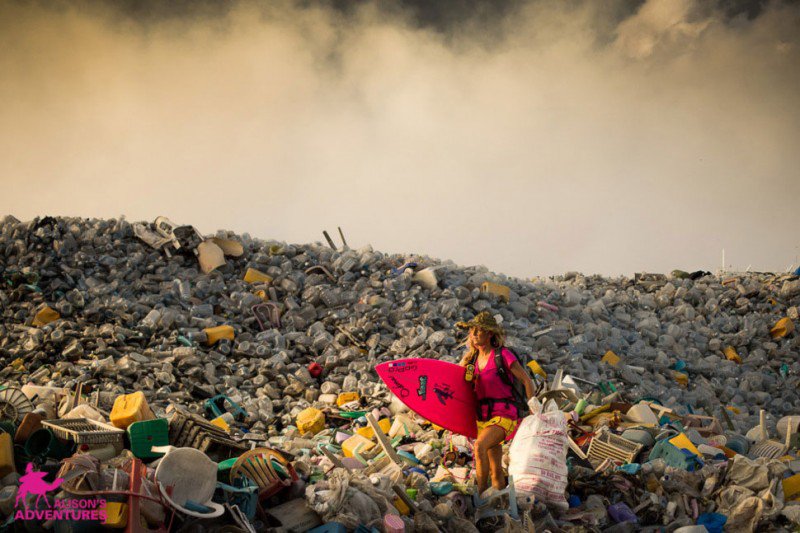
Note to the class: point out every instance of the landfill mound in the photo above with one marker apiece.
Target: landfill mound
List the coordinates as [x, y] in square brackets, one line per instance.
[254, 360]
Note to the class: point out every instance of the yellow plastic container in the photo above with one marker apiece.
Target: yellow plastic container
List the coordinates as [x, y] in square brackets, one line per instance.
[682, 441]
[130, 408]
[356, 442]
[536, 369]
[680, 377]
[401, 506]
[611, 358]
[218, 333]
[731, 355]
[310, 421]
[45, 315]
[495, 288]
[384, 423]
[791, 488]
[116, 515]
[783, 327]
[224, 421]
[347, 397]
[6, 455]
[256, 276]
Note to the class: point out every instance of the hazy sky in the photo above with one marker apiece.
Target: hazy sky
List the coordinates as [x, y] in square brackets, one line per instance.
[534, 138]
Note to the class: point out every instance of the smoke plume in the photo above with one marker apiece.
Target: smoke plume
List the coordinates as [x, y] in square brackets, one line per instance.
[533, 138]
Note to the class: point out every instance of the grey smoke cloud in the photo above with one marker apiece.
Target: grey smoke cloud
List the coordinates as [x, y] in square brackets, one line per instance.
[560, 136]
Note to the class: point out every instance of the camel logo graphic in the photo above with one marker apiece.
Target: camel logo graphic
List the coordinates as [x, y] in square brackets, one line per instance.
[33, 483]
[62, 509]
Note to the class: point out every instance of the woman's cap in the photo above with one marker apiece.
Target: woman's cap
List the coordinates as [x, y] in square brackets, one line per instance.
[483, 320]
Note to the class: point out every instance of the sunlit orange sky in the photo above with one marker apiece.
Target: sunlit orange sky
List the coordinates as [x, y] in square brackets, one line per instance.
[531, 137]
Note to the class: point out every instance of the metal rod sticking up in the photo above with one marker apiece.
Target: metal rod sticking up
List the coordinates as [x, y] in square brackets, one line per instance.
[328, 238]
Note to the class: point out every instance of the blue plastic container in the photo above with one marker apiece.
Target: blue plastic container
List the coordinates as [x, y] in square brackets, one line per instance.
[713, 522]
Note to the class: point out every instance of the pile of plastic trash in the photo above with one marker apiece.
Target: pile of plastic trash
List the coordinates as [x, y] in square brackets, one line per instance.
[158, 379]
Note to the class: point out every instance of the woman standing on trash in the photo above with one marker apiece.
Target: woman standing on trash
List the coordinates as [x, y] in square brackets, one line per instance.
[497, 413]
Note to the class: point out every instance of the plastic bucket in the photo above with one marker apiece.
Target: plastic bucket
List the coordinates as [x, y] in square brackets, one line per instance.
[7, 465]
[30, 423]
[43, 443]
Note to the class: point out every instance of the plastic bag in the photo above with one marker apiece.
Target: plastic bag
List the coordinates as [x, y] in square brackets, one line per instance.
[538, 456]
[336, 500]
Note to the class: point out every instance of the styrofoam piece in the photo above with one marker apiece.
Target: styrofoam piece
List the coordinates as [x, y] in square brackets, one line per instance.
[642, 414]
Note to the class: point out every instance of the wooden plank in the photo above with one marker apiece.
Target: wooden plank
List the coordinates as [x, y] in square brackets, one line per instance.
[406, 500]
[383, 440]
[333, 459]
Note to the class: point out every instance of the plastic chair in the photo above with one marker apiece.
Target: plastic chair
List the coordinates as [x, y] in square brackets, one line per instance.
[221, 404]
[771, 449]
[259, 467]
[244, 498]
[146, 434]
[485, 508]
[186, 476]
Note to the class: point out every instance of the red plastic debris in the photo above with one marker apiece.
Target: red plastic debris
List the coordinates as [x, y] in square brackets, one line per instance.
[315, 370]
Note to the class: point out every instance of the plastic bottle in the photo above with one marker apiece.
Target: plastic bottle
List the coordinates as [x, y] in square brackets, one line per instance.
[151, 320]
[200, 337]
[183, 289]
[620, 512]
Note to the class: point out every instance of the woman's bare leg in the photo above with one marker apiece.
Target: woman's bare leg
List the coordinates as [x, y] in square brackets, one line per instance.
[488, 438]
[496, 466]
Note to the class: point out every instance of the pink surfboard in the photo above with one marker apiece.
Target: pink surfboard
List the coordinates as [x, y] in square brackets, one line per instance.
[435, 390]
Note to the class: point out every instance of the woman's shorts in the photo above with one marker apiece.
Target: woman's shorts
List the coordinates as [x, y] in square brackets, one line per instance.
[506, 424]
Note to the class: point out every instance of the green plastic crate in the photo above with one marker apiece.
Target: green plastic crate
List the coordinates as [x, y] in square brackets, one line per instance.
[146, 434]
